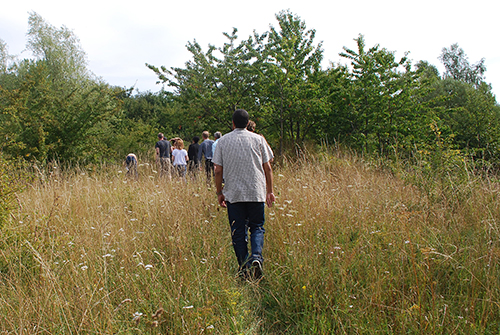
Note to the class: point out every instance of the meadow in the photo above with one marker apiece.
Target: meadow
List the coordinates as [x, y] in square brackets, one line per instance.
[352, 247]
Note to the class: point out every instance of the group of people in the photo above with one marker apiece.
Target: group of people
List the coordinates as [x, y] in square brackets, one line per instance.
[171, 153]
[240, 162]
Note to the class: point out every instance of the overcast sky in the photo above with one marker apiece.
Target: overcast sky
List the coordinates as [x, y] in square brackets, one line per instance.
[119, 37]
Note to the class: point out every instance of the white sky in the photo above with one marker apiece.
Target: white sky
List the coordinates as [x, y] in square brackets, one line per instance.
[119, 37]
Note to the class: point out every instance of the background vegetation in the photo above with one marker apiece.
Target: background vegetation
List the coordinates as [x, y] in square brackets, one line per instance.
[53, 107]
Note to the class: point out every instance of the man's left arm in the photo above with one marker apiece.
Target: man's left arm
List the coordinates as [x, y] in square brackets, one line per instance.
[268, 171]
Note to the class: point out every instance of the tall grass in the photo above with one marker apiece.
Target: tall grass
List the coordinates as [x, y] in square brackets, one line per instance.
[350, 248]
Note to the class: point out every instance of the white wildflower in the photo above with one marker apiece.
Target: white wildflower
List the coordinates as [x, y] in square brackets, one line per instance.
[137, 316]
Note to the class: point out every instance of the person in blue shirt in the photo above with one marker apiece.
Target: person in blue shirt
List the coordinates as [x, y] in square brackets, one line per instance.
[217, 135]
[206, 151]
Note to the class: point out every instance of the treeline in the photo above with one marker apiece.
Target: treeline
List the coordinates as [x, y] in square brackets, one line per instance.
[54, 108]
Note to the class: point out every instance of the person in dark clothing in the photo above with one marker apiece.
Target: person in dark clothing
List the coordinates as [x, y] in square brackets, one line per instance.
[194, 162]
[163, 150]
[206, 150]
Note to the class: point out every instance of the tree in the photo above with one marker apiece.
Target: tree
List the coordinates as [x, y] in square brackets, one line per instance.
[51, 107]
[60, 48]
[457, 66]
[472, 116]
[288, 86]
[385, 108]
[214, 83]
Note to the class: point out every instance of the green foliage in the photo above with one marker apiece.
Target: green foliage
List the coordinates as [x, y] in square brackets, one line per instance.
[214, 83]
[381, 104]
[44, 119]
[289, 86]
[378, 104]
[143, 116]
[53, 107]
[274, 76]
[470, 115]
[50, 107]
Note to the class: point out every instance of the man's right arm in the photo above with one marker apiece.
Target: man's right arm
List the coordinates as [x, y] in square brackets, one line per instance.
[268, 171]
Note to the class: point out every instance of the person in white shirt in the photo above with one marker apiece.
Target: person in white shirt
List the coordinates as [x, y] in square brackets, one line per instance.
[243, 160]
[180, 158]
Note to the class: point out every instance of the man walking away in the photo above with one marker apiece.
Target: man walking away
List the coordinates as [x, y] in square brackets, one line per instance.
[194, 148]
[163, 149]
[206, 150]
[242, 160]
[217, 135]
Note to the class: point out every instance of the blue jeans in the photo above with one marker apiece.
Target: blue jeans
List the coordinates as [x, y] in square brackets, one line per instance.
[244, 216]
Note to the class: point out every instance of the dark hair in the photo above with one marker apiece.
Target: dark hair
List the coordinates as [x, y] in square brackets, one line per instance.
[240, 118]
[196, 139]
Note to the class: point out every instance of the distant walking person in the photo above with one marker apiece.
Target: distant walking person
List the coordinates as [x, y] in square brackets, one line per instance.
[180, 158]
[194, 148]
[163, 149]
[242, 159]
[206, 150]
[130, 164]
[217, 135]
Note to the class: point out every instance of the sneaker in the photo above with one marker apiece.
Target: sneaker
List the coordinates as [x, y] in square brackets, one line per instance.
[256, 269]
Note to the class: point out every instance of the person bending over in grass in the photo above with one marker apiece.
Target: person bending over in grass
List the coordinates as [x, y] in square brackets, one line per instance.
[242, 160]
[130, 164]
